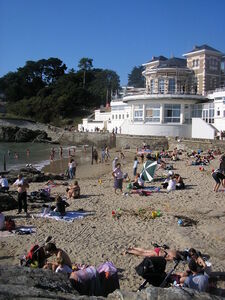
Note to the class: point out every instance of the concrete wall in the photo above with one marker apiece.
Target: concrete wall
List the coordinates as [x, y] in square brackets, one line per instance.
[88, 138]
[201, 129]
[183, 130]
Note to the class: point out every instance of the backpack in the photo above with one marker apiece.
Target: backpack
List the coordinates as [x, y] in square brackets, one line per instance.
[9, 224]
[152, 269]
[35, 257]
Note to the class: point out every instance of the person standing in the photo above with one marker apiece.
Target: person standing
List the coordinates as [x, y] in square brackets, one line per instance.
[71, 168]
[22, 187]
[135, 166]
[118, 178]
[219, 174]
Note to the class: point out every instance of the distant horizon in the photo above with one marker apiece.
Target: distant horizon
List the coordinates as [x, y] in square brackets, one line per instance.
[117, 35]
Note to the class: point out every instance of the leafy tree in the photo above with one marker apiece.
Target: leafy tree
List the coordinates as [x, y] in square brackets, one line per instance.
[135, 78]
[85, 64]
[105, 83]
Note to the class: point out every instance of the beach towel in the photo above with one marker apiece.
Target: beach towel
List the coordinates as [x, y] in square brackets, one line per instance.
[70, 216]
[146, 191]
[19, 230]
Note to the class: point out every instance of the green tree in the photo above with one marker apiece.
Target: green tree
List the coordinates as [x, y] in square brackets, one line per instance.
[85, 64]
[135, 78]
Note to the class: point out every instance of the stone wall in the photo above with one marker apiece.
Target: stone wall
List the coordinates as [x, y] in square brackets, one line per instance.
[134, 141]
[96, 139]
[194, 144]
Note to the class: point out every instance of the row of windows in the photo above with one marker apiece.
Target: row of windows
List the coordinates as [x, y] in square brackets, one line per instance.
[115, 117]
[152, 113]
[161, 85]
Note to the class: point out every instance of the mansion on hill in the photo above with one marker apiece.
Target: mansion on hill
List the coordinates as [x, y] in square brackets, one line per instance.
[184, 97]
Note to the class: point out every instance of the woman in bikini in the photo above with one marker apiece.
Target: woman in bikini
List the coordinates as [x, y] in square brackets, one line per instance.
[158, 251]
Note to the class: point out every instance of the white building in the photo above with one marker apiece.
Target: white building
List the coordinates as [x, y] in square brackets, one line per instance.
[173, 103]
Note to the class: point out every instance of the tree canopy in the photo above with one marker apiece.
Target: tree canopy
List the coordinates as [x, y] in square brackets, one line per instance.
[135, 78]
[44, 91]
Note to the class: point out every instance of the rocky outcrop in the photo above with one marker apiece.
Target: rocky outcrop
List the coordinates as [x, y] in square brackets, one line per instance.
[7, 202]
[31, 175]
[25, 283]
[16, 134]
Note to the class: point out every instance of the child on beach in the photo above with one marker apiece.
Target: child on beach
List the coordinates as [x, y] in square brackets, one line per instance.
[118, 178]
[62, 258]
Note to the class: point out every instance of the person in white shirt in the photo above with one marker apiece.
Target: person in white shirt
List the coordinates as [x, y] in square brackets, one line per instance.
[171, 184]
[4, 185]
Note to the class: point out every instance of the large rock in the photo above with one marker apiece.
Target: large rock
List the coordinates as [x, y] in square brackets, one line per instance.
[25, 283]
[16, 134]
[7, 202]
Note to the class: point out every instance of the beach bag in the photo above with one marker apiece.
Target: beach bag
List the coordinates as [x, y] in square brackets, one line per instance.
[152, 269]
[9, 224]
[108, 277]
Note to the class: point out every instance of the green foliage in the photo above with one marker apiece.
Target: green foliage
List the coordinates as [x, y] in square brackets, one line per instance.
[135, 78]
[44, 92]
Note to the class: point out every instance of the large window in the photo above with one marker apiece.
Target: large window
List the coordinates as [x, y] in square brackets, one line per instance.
[152, 113]
[196, 110]
[138, 113]
[161, 86]
[172, 113]
[171, 87]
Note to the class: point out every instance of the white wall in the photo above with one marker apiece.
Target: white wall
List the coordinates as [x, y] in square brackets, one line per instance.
[180, 130]
[202, 130]
[102, 116]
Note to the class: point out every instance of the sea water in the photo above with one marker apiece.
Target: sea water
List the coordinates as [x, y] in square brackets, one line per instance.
[17, 155]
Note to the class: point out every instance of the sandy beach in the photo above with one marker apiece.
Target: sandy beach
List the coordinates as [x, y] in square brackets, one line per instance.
[100, 237]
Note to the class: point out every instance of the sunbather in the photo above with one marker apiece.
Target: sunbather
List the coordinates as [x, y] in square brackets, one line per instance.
[74, 190]
[158, 251]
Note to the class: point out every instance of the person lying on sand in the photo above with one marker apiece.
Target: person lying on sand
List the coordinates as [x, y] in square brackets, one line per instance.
[157, 251]
[74, 190]
[61, 256]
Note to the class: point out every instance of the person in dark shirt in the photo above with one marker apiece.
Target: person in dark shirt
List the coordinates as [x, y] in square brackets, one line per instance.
[61, 205]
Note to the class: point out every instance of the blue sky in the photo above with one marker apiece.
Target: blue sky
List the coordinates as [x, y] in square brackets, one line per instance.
[116, 34]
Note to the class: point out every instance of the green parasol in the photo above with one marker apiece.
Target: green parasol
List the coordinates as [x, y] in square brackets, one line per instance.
[148, 170]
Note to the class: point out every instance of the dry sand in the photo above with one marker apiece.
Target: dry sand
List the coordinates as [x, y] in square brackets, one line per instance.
[101, 237]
